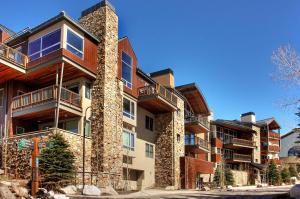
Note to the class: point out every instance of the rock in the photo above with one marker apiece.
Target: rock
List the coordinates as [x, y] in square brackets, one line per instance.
[6, 183]
[91, 190]
[282, 184]
[293, 180]
[20, 191]
[295, 191]
[1, 171]
[60, 196]
[5, 193]
[70, 190]
[229, 188]
[170, 188]
[259, 185]
[205, 188]
[109, 190]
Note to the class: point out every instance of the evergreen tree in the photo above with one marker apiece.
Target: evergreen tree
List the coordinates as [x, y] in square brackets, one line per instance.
[56, 163]
[217, 178]
[298, 168]
[273, 174]
[293, 171]
[229, 180]
[285, 175]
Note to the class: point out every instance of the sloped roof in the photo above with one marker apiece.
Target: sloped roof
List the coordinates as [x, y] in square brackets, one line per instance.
[234, 124]
[295, 130]
[269, 121]
[5, 29]
[195, 98]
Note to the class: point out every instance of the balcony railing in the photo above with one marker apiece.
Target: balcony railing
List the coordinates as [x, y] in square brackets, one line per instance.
[238, 157]
[199, 119]
[274, 135]
[275, 149]
[13, 55]
[44, 95]
[237, 141]
[157, 89]
[195, 141]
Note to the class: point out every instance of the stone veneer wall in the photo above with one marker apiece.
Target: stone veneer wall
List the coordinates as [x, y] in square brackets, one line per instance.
[169, 128]
[19, 161]
[256, 151]
[102, 22]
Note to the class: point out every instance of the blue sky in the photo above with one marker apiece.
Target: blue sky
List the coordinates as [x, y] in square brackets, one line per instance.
[223, 46]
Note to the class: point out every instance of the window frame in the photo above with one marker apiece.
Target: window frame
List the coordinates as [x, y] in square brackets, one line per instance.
[90, 90]
[78, 35]
[149, 153]
[126, 82]
[129, 115]
[131, 145]
[150, 122]
[20, 127]
[88, 133]
[40, 52]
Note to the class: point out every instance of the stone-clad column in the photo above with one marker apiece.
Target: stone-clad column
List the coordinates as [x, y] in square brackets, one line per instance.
[169, 128]
[102, 22]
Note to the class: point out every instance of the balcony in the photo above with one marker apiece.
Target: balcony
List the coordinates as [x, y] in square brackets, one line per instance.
[45, 99]
[157, 99]
[235, 157]
[274, 135]
[234, 143]
[274, 149]
[197, 145]
[196, 124]
[12, 63]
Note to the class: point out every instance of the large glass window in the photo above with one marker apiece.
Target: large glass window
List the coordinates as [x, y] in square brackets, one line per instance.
[149, 150]
[70, 125]
[88, 90]
[88, 128]
[128, 140]
[74, 44]
[127, 70]
[149, 123]
[44, 45]
[128, 108]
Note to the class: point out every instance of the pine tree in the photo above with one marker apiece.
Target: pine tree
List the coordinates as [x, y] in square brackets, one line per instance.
[293, 171]
[56, 163]
[217, 178]
[273, 174]
[229, 180]
[298, 168]
[285, 175]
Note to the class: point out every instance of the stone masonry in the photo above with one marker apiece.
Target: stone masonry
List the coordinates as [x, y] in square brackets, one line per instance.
[102, 21]
[169, 128]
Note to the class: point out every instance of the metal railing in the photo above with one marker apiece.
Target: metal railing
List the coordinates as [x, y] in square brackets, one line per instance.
[197, 118]
[195, 141]
[13, 55]
[43, 95]
[157, 89]
[274, 135]
[232, 140]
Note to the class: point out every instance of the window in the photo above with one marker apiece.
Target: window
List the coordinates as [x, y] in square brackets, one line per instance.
[88, 128]
[149, 150]
[128, 108]
[44, 45]
[178, 137]
[127, 70]
[128, 140]
[70, 125]
[20, 130]
[149, 123]
[74, 44]
[1, 97]
[127, 159]
[88, 90]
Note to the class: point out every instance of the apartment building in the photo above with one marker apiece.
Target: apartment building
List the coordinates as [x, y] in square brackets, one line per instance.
[270, 140]
[72, 77]
[196, 165]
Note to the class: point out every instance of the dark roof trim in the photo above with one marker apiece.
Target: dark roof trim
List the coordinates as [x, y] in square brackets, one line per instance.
[61, 16]
[144, 75]
[248, 113]
[234, 123]
[6, 29]
[161, 72]
[267, 122]
[97, 6]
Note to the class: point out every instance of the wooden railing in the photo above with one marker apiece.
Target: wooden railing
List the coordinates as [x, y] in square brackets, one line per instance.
[274, 149]
[274, 135]
[239, 142]
[237, 157]
[43, 95]
[202, 120]
[195, 141]
[13, 55]
[157, 89]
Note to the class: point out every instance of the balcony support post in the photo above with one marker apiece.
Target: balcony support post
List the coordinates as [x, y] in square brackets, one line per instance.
[59, 95]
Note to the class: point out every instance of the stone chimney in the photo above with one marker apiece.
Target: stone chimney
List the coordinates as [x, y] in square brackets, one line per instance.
[102, 21]
[248, 117]
[164, 77]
